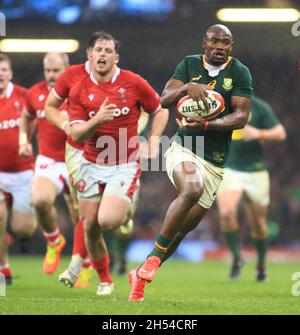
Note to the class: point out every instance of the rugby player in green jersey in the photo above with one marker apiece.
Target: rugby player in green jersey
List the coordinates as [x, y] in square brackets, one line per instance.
[246, 174]
[195, 174]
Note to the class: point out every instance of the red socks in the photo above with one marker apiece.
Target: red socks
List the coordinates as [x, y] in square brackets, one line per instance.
[52, 237]
[79, 244]
[102, 267]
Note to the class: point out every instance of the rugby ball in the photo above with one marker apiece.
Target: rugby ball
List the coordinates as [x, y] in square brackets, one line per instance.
[187, 107]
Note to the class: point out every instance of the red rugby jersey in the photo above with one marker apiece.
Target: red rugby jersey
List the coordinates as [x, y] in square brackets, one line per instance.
[65, 82]
[51, 140]
[113, 142]
[11, 107]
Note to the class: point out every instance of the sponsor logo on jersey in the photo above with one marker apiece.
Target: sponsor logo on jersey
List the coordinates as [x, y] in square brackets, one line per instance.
[197, 78]
[227, 84]
[91, 97]
[17, 104]
[212, 84]
[118, 112]
[7, 124]
[40, 113]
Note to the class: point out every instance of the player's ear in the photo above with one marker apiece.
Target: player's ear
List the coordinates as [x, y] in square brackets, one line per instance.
[117, 59]
[11, 75]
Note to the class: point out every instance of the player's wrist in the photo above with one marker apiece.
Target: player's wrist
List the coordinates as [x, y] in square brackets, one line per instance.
[23, 138]
[205, 125]
[262, 136]
[64, 124]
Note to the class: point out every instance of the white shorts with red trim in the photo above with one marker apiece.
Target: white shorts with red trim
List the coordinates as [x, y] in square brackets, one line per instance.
[94, 180]
[55, 171]
[18, 186]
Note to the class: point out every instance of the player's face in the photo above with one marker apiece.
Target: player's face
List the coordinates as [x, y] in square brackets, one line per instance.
[217, 46]
[5, 74]
[52, 70]
[104, 57]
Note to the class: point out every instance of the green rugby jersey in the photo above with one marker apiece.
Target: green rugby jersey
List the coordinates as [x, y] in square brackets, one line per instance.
[248, 156]
[234, 80]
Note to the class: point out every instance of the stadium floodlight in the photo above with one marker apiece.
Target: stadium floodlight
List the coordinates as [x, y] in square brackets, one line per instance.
[258, 14]
[38, 45]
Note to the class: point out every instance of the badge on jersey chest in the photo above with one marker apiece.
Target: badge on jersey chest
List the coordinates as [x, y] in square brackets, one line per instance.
[122, 92]
[227, 84]
[17, 105]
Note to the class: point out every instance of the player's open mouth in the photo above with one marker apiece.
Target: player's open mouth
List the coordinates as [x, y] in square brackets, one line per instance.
[102, 61]
[219, 55]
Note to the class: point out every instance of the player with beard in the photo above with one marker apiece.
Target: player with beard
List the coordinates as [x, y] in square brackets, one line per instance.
[51, 175]
[104, 112]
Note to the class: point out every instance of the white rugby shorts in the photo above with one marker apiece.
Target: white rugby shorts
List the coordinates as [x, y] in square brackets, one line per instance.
[18, 185]
[53, 170]
[95, 180]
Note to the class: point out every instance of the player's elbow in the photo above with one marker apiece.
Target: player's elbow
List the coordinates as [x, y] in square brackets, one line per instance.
[76, 135]
[166, 102]
[241, 121]
[163, 116]
[48, 110]
[282, 135]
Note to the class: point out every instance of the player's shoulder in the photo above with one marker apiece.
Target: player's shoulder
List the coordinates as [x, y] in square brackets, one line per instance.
[237, 66]
[261, 105]
[80, 85]
[132, 78]
[37, 87]
[75, 69]
[129, 76]
[19, 90]
[193, 58]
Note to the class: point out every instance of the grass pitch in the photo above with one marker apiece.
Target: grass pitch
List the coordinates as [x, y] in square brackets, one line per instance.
[179, 288]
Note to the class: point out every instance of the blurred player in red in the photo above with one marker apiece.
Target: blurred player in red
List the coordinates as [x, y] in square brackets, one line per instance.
[74, 152]
[15, 172]
[51, 175]
[104, 112]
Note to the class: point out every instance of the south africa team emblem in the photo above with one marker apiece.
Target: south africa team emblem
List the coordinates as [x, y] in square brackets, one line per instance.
[227, 84]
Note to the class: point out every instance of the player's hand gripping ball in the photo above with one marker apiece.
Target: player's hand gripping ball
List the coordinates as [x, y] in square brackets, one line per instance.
[187, 107]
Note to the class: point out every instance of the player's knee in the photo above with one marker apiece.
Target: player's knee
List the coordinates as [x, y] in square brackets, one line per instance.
[228, 220]
[191, 193]
[25, 228]
[109, 223]
[260, 231]
[90, 224]
[42, 203]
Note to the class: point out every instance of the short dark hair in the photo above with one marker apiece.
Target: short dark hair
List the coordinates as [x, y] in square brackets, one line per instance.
[4, 58]
[102, 35]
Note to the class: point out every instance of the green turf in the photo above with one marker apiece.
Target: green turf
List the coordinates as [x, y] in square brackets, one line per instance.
[180, 288]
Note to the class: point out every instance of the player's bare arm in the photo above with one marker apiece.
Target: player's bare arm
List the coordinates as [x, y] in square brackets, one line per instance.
[83, 131]
[236, 120]
[158, 125]
[176, 89]
[27, 126]
[274, 134]
[54, 115]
